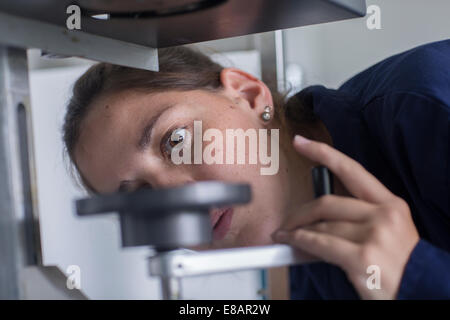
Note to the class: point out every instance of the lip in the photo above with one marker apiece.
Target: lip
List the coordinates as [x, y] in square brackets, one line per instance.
[221, 222]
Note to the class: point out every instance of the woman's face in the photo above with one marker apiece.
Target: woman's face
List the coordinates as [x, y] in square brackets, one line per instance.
[111, 156]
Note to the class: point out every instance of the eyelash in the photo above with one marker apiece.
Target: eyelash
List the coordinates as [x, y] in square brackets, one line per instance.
[164, 140]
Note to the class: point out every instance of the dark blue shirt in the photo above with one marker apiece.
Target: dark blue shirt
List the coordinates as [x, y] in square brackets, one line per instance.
[394, 119]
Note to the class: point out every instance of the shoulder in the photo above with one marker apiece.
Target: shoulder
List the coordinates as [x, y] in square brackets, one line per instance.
[424, 70]
[413, 133]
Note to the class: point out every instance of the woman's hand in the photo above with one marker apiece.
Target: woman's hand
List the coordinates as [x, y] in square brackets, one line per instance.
[373, 228]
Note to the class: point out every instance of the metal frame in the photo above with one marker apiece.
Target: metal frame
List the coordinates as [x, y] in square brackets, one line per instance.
[13, 250]
[232, 18]
[272, 49]
[19, 225]
[172, 266]
[26, 33]
[22, 275]
[182, 263]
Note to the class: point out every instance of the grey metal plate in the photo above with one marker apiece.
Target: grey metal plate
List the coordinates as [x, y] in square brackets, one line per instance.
[167, 218]
[227, 19]
[194, 196]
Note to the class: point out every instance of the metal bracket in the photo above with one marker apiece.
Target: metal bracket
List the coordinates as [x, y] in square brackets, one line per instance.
[186, 263]
[172, 266]
[28, 33]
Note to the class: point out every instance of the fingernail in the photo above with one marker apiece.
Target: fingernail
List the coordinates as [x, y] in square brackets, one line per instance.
[281, 236]
[301, 140]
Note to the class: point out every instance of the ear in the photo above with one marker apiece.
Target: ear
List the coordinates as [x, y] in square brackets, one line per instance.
[242, 85]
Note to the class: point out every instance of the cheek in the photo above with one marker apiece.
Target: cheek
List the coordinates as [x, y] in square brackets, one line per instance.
[268, 191]
[268, 203]
[254, 223]
[230, 173]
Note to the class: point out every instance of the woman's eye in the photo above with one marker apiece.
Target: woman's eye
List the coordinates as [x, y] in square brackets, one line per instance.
[177, 137]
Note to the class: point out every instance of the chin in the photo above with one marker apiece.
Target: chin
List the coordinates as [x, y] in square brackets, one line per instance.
[247, 242]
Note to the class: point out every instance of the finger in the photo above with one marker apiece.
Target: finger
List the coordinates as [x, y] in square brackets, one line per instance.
[356, 179]
[327, 247]
[328, 207]
[354, 232]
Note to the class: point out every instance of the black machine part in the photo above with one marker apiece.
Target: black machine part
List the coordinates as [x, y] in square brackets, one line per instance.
[322, 181]
[167, 218]
[167, 23]
[178, 217]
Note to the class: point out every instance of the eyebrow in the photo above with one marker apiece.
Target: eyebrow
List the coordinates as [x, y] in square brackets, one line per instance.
[146, 134]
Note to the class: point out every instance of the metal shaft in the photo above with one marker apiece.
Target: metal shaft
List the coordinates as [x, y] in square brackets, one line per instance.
[17, 238]
[171, 288]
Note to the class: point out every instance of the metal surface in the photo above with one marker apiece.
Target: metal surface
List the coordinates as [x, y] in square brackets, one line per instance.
[48, 283]
[175, 229]
[181, 263]
[146, 8]
[31, 225]
[158, 202]
[59, 41]
[128, 38]
[271, 48]
[322, 181]
[167, 218]
[22, 275]
[171, 288]
[229, 19]
[14, 249]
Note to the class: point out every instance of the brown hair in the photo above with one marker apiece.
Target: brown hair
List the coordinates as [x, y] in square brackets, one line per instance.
[180, 68]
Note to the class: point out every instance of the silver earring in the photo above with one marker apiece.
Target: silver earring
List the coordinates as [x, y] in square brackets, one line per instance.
[266, 114]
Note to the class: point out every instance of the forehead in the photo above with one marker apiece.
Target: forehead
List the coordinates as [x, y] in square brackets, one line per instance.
[112, 106]
[131, 104]
[107, 132]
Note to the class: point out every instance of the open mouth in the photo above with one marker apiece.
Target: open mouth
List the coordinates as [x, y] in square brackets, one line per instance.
[221, 222]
